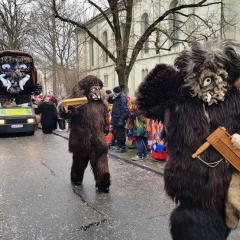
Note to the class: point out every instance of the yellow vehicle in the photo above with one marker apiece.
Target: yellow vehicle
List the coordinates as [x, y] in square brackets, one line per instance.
[17, 114]
[18, 81]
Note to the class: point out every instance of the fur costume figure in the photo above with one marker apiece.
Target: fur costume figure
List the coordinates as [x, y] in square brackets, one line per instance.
[88, 126]
[192, 100]
[17, 72]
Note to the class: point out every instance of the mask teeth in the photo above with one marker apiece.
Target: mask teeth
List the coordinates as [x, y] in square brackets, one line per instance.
[208, 97]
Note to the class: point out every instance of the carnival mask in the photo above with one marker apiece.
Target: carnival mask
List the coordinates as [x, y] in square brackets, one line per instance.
[14, 72]
[95, 93]
[212, 86]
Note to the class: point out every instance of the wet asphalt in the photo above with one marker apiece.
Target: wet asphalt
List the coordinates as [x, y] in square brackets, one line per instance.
[149, 164]
[37, 200]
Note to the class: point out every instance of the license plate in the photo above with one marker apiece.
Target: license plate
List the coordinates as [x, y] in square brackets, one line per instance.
[17, 126]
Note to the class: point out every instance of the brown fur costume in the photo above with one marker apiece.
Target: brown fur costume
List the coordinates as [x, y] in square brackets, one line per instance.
[193, 100]
[88, 126]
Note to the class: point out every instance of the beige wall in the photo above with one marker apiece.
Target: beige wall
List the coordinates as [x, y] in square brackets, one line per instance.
[146, 61]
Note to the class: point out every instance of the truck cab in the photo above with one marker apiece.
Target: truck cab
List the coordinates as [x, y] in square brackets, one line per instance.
[17, 114]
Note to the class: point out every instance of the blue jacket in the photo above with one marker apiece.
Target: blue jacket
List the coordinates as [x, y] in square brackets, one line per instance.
[120, 109]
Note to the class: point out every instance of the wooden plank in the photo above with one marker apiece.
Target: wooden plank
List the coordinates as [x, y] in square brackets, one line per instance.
[220, 139]
[74, 101]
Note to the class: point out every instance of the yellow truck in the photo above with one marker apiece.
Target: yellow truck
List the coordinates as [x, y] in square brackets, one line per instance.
[18, 81]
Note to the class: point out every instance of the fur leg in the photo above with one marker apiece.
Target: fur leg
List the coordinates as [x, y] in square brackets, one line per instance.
[232, 206]
[191, 223]
[104, 184]
[101, 173]
[79, 165]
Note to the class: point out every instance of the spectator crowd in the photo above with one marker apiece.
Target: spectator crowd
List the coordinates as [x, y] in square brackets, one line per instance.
[126, 123]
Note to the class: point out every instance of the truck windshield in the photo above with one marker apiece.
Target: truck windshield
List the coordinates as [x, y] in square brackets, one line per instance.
[11, 102]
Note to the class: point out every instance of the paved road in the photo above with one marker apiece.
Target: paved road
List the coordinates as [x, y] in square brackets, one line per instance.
[148, 164]
[37, 200]
[154, 167]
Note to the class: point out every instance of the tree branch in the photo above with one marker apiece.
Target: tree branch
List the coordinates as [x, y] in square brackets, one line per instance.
[103, 13]
[85, 29]
[152, 28]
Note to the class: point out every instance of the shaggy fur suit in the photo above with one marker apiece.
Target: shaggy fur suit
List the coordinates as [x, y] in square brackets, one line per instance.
[88, 126]
[192, 99]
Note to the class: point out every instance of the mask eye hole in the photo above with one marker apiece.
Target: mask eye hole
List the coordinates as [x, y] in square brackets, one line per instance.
[22, 66]
[95, 89]
[6, 66]
[207, 81]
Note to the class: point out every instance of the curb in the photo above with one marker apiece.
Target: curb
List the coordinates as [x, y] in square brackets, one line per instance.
[117, 157]
[138, 164]
[58, 134]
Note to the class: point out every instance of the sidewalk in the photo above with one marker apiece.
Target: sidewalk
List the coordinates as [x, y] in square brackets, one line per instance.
[149, 163]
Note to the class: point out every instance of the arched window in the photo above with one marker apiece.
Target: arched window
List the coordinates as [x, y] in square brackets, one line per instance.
[174, 22]
[91, 52]
[145, 25]
[105, 42]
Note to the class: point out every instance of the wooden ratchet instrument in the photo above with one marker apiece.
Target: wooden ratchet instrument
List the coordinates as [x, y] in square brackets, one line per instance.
[220, 139]
[73, 102]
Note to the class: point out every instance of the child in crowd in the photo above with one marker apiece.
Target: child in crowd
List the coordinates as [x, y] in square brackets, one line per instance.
[141, 128]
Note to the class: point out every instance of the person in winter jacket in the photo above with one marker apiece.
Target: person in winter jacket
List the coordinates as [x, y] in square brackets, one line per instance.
[48, 113]
[119, 115]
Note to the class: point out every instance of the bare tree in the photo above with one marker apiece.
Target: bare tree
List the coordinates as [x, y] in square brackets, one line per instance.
[53, 43]
[125, 57]
[14, 24]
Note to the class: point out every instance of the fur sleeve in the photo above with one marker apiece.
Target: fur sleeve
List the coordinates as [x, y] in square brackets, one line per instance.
[106, 121]
[66, 115]
[158, 91]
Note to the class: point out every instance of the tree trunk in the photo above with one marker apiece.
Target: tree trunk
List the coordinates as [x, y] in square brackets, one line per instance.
[123, 80]
[54, 57]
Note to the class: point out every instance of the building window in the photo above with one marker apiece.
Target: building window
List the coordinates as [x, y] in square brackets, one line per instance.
[91, 52]
[174, 23]
[144, 73]
[105, 80]
[105, 42]
[145, 25]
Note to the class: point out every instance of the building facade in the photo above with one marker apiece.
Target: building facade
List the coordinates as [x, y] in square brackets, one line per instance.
[220, 21]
